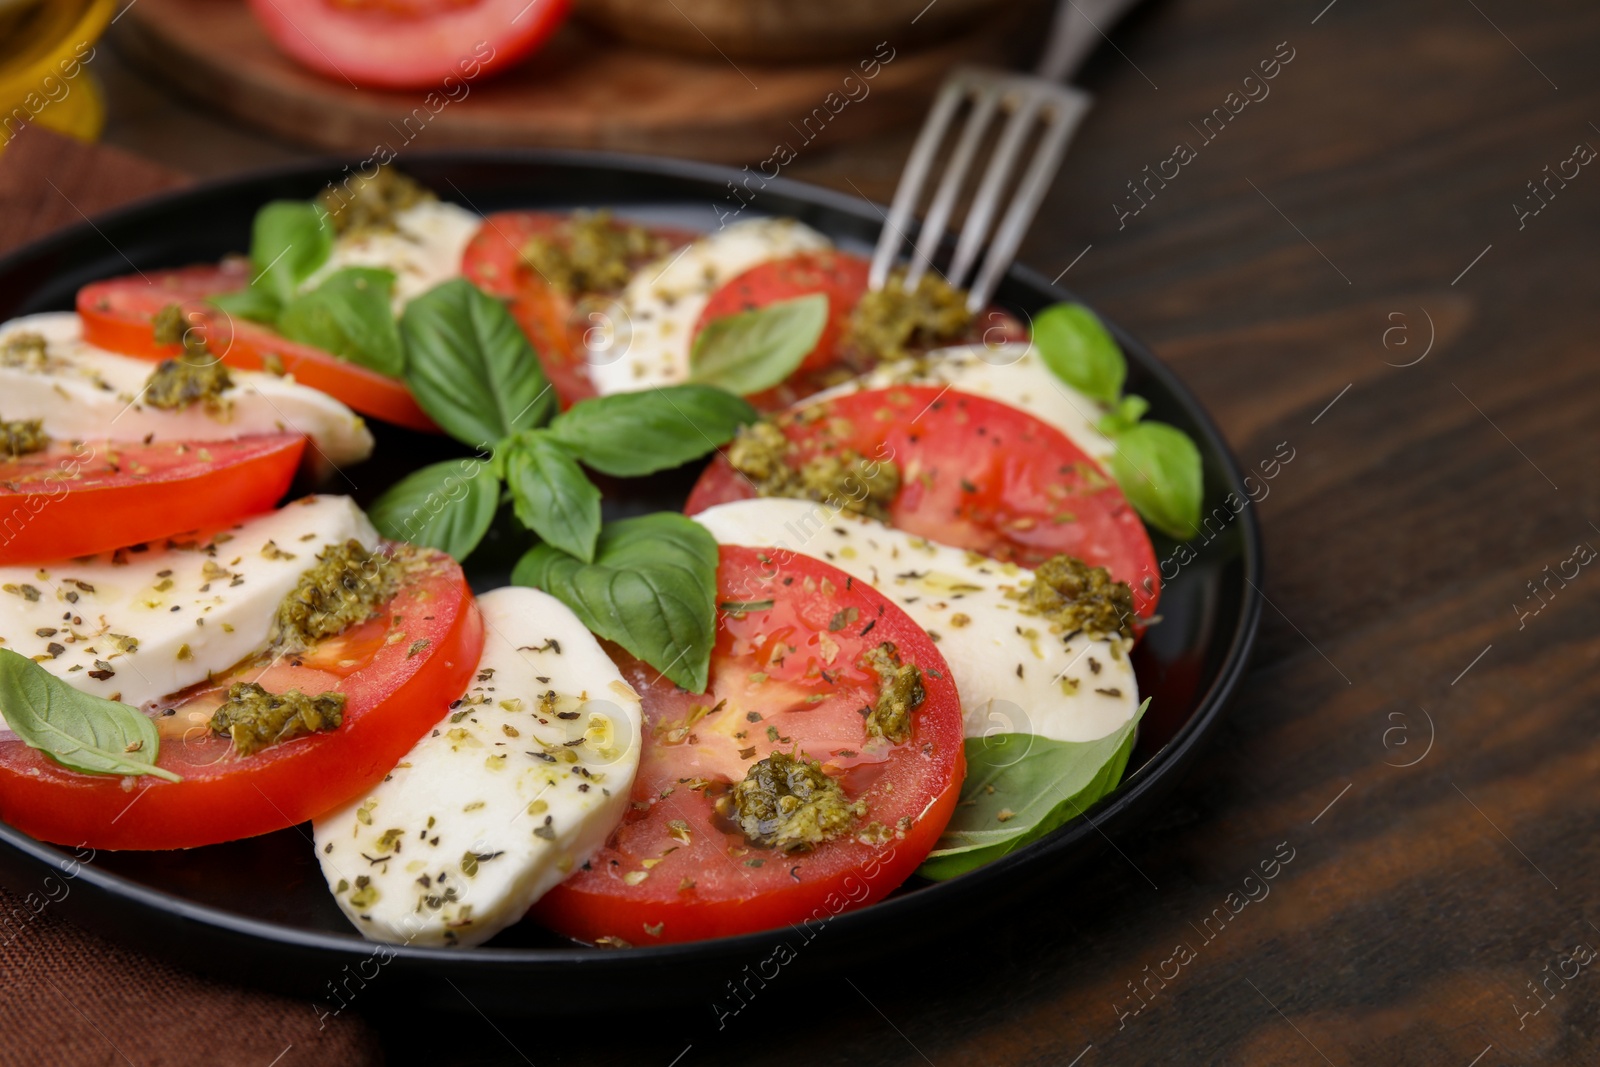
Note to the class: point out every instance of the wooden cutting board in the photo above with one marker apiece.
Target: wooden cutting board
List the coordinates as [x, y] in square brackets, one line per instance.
[584, 90]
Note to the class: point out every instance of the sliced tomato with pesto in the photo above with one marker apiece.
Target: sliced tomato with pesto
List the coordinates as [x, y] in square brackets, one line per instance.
[493, 259]
[119, 314]
[79, 498]
[398, 671]
[561, 322]
[972, 473]
[798, 686]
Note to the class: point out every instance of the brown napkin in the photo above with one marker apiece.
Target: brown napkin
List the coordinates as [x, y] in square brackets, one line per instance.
[68, 997]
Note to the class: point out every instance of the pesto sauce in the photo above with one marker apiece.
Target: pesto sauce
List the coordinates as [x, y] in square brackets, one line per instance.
[257, 719]
[19, 437]
[369, 205]
[195, 376]
[27, 350]
[345, 588]
[844, 480]
[889, 322]
[1075, 596]
[787, 803]
[900, 693]
[169, 327]
[178, 383]
[591, 253]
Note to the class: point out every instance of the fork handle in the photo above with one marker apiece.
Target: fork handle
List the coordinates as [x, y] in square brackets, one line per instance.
[1077, 30]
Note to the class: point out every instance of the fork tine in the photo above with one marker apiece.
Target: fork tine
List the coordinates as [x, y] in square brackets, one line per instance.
[912, 179]
[1062, 117]
[987, 199]
[955, 175]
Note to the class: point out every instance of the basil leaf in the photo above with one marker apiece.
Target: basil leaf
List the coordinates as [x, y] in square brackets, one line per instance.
[470, 367]
[447, 506]
[349, 315]
[288, 242]
[79, 731]
[755, 350]
[1158, 469]
[631, 434]
[252, 302]
[1125, 415]
[652, 589]
[1078, 349]
[551, 495]
[1037, 783]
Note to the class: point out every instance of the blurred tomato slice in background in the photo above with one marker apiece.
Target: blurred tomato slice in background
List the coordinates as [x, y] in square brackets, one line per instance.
[409, 44]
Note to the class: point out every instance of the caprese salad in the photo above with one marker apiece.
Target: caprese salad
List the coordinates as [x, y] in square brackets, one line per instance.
[891, 635]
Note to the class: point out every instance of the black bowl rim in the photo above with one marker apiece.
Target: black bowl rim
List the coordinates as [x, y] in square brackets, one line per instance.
[1151, 777]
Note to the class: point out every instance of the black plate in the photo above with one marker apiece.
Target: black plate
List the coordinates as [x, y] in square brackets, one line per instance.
[258, 911]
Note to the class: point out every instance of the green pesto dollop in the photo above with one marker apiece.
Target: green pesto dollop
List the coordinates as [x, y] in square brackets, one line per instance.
[844, 480]
[368, 205]
[19, 437]
[787, 803]
[169, 326]
[345, 587]
[197, 376]
[257, 719]
[591, 253]
[889, 322]
[177, 383]
[1075, 596]
[25, 349]
[900, 693]
[172, 326]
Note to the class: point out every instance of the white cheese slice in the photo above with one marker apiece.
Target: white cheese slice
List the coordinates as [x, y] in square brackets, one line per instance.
[1012, 673]
[657, 312]
[138, 625]
[522, 780]
[86, 393]
[1013, 374]
[423, 250]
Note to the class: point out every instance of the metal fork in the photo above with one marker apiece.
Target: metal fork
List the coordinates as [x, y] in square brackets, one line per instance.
[1037, 100]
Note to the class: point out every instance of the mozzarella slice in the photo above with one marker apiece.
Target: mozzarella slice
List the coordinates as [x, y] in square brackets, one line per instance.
[86, 393]
[658, 310]
[423, 250]
[1012, 673]
[1013, 374]
[519, 784]
[147, 621]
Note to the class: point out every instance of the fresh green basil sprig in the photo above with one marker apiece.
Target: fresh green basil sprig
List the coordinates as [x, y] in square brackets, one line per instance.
[80, 731]
[349, 313]
[651, 588]
[647, 583]
[1156, 465]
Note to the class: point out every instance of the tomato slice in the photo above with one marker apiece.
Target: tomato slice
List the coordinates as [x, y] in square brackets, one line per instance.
[397, 688]
[558, 326]
[117, 316]
[974, 473]
[786, 676]
[116, 312]
[493, 259]
[84, 497]
[409, 44]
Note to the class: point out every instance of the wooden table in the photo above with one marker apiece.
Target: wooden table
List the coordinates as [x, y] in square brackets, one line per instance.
[1352, 265]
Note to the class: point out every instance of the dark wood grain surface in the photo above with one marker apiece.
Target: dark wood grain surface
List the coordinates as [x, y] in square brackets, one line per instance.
[1351, 266]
